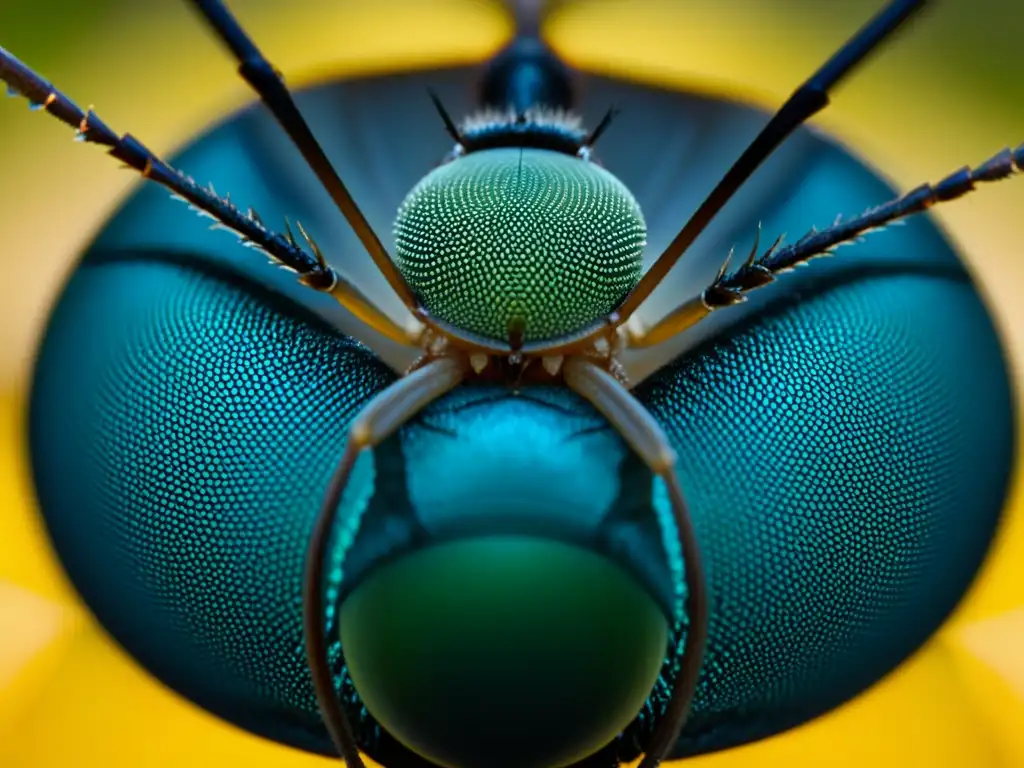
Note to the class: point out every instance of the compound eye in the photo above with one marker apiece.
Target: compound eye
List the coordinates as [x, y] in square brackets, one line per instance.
[520, 237]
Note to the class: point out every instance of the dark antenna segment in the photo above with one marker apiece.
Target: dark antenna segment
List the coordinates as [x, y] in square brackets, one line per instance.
[601, 127]
[807, 100]
[310, 265]
[446, 118]
[267, 82]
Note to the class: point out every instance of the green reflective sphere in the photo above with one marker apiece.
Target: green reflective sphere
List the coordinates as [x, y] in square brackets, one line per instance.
[503, 652]
[520, 238]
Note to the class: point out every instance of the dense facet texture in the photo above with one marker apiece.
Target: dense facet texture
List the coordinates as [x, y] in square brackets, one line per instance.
[520, 238]
[194, 433]
[845, 458]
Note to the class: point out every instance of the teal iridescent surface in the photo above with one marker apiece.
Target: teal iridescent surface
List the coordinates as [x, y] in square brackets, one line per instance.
[845, 457]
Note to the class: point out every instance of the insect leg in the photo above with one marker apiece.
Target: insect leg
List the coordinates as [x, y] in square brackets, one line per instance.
[645, 436]
[310, 266]
[810, 98]
[730, 288]
[269, 85]
[380, 418]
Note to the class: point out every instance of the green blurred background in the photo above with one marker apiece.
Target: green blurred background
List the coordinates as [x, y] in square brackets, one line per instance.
[949, 92]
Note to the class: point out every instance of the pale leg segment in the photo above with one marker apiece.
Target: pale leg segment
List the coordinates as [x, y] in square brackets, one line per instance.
[384, 414]
[356, 302]
[645, 436]
[685, 316]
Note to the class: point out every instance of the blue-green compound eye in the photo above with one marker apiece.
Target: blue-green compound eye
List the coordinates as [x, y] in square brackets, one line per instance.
[525, 238]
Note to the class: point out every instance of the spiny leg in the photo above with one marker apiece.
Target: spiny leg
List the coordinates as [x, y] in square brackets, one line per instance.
[645, 436]
[379, 418]
[311, 266]
[807, 100]
[730, 288]
[269, 85]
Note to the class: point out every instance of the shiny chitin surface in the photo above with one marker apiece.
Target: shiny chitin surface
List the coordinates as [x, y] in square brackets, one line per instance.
[845, 457]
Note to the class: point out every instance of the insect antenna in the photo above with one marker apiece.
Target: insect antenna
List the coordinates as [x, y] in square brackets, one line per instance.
[446, 118]
[601, 127]
[811, 97]
[265, 79]
[731, 288]
[22, 81]
[310, 266]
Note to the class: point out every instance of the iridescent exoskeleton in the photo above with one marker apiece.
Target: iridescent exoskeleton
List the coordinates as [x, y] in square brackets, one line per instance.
[503, 570]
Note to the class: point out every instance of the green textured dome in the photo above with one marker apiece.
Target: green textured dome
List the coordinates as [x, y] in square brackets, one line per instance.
[520, 237]
[503, 651]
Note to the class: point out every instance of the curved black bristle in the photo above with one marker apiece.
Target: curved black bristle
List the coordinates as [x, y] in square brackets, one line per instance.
[602, 126]
[446, 118]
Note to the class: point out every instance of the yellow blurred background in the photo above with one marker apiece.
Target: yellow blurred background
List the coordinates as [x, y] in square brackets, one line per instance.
[950, 92]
